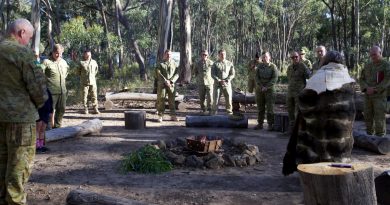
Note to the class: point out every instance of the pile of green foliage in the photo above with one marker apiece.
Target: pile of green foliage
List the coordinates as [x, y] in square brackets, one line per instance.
[147, 159]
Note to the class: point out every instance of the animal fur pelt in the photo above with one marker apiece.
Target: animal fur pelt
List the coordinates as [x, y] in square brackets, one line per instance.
[323, 128]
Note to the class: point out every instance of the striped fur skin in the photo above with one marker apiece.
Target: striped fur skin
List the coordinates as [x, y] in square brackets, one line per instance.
[323, 129]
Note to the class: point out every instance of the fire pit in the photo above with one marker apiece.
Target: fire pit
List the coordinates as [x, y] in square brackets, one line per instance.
[203, 143]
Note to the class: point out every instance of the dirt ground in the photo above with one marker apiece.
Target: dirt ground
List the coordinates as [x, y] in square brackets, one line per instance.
[92, 163]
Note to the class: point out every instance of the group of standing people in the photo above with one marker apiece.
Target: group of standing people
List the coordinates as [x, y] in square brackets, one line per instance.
[33, 95]
[213, 79]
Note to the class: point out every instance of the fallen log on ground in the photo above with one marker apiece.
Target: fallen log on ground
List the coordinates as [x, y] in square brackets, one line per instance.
[372, 143]
[88, 127]
[239, 97]
[217, 121]
[343, 185]
[108, 104]
[82, 197]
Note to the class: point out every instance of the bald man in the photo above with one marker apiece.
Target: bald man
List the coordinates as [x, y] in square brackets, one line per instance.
[22, 92]
[320, 52]
[374, 81]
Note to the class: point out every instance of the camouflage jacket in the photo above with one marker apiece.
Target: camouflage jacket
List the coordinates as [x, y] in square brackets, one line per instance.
[307, 63]
[252, 66]
[315, 67]
[222, 70]
[56, 73]
[87, 70]
[297, 75]
[377, 76]
[23, 85]
[202, 71]
[166, 70]
[266, 75]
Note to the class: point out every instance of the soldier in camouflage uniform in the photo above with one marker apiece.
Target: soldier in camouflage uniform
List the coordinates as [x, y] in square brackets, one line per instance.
[202, 70]
[266, 77]
[374, 81]
[22, 92]
[297, 73]
[252, 72]
[223, 73]
[56, 71]
[87, 70]
[304, 60]
[167, 75]
[321, 52]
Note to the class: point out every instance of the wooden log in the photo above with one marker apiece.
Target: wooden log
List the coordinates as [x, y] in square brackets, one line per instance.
[135, 119]
[326, 185]
[239, 97]
[110, 96]
[82, 197]
[382, 185]
[280, 98]
[88, 127]
[380, 145]
[217, 121]
[281, 122]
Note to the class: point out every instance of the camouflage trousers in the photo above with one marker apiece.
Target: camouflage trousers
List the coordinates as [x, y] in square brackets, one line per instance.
[17, 151]
[206, 95]
[265, 100]
[375, 115]
[292, 109]
[227, 93]
[59, 104]
[161, 93]
[92, 90]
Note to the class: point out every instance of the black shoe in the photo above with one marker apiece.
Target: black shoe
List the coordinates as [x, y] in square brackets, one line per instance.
[41, 150]
[258, 127]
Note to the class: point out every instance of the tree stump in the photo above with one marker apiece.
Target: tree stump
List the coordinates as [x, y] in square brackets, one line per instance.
[281, 123]
[327, 185]
[135, 120]
[372, 143]
[82, 197]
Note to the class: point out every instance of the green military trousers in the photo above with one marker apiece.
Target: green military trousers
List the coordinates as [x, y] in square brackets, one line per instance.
[375, 115]
[292, 109]
[92, 90]
[59, 104]
[227, 93]
[265, 101]
[17, 151]
[161, 93]
[206, 97]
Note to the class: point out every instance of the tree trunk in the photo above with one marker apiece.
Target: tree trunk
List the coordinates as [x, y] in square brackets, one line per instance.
[82, 197]
[185, 41]
[376, 144]
[166, 7]
[326, 185]
[119, 34]
[88, 127]
[106, 32]
[138, 56]
[36, 22]
[216, 121]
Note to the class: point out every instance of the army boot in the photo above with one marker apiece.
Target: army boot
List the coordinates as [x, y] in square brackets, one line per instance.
[174, 118]
[95, 110]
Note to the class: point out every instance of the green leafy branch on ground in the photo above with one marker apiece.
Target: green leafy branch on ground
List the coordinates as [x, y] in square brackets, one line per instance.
[147, 159]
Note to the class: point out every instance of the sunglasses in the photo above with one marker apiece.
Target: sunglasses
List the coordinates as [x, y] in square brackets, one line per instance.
[294, 57]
